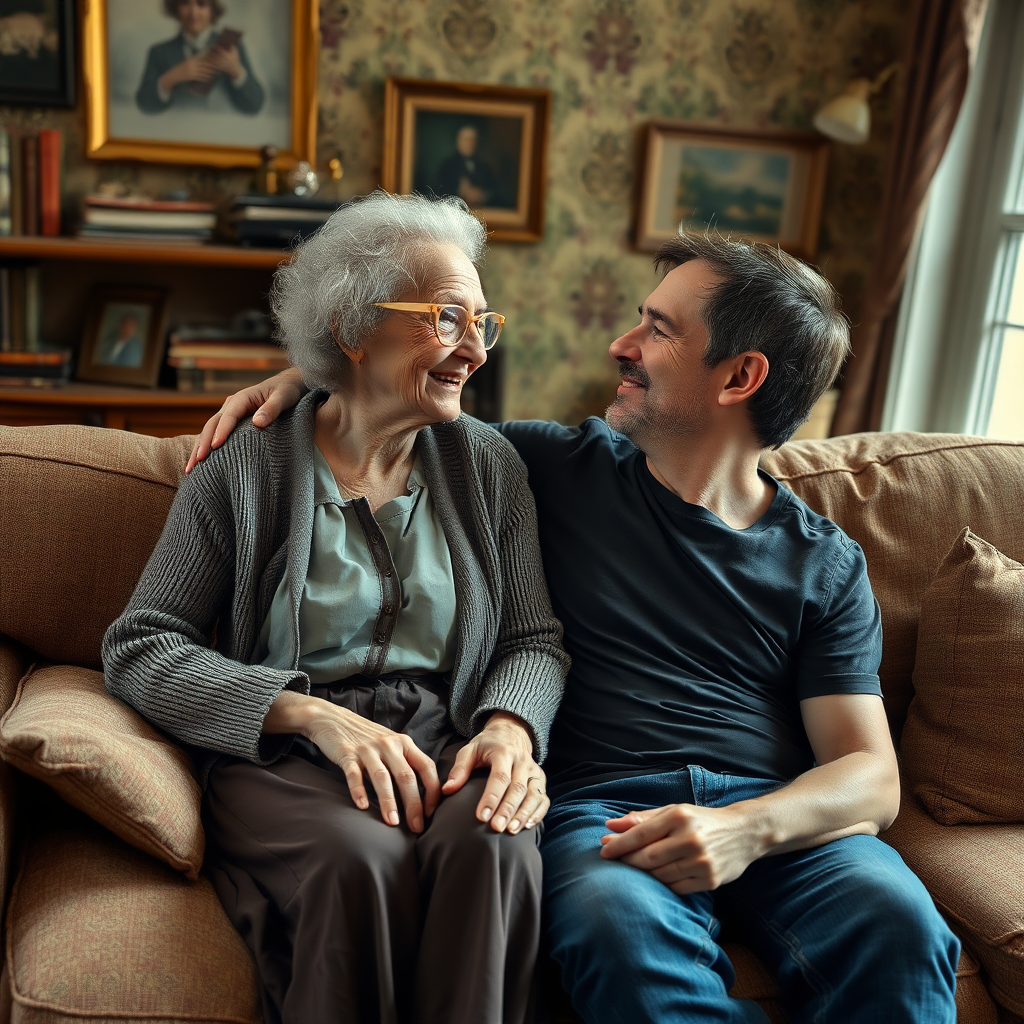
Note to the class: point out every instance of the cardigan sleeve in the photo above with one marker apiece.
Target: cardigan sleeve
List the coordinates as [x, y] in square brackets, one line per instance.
[526, 674]
[157, 655]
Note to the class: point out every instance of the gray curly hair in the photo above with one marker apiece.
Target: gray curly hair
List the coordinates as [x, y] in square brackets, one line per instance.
[369, 251]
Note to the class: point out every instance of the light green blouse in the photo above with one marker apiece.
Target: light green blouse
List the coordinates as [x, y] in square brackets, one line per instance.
[342, 594]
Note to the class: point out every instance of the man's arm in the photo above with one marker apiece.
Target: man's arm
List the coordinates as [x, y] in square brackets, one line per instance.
[853, 789]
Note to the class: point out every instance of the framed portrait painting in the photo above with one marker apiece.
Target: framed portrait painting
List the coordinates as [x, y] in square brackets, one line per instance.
[37, 52]
[201, 81]
[487, 144]
[763, 185]
[123, 342]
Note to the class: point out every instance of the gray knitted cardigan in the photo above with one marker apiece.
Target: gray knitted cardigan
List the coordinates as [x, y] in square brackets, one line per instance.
[244, 518]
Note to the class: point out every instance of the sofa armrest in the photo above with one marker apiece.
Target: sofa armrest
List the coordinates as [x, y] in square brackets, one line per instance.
[975, 874]
[14, 663]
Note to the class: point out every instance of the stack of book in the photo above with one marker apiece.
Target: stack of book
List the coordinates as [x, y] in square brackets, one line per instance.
[208, 359]
[43, 369]
[276, 220]
[30, 182]
[147, 220]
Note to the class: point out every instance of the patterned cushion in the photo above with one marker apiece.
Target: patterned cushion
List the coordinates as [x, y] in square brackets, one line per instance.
[104, 758]
[100, 932]
[963, 744]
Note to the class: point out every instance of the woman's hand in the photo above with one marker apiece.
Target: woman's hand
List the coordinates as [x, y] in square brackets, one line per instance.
[515, 796]
[265, 401]
[359, 746]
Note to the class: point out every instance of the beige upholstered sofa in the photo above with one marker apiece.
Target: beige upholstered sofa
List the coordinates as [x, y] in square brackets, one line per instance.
[97, 929]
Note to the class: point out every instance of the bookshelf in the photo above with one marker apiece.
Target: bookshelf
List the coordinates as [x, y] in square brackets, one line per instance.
[204, 281]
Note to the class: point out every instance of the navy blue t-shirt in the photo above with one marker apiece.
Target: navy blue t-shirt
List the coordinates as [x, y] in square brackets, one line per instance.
[691, 642]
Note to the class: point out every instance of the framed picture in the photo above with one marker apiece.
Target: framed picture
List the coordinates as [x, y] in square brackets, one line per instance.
[201, 81]
[764, 185]
[123, 341]
[485, 143]
[37, 52]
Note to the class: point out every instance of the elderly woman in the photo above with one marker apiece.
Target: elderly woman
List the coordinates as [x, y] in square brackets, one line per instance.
[357, 595]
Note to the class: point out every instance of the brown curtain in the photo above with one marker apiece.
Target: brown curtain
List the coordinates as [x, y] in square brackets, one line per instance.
[941, 44]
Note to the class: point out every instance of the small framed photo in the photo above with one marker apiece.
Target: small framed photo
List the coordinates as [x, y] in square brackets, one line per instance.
[487, 144]
[764, 185]
[37, 53]
[201, 81]
[123, 341]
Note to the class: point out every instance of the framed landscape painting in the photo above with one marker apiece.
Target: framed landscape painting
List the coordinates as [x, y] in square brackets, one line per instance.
[201, 81]
[763, 185]
[487, 144]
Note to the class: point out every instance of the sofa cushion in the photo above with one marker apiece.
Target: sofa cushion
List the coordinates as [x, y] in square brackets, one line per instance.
[99, 931]
[963, 744]
[975, 874]
[80, 511]
[101, 756]
[905, 498]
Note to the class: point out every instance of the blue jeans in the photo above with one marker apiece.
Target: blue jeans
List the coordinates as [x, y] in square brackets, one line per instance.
[848, 930]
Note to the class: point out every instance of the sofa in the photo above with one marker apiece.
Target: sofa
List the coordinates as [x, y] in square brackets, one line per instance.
[108, 915]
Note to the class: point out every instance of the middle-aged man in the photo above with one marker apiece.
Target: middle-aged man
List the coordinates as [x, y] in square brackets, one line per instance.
[722, 746]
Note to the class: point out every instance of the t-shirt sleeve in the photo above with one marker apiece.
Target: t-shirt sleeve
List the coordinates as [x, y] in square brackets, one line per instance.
[541, 444]
[842, 650]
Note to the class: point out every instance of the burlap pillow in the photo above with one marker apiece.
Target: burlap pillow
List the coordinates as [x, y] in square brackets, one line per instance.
[963, 745]
[102, 757]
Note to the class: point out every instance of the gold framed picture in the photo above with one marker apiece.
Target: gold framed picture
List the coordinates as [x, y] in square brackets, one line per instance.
[194, 82]
[485, 143]
[123, 342]
[760, 184]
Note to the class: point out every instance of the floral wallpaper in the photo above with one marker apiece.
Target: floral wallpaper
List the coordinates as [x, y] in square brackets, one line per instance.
[611, 66]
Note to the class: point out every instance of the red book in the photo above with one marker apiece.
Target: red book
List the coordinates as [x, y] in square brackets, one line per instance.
[30, 184]
[49, 181]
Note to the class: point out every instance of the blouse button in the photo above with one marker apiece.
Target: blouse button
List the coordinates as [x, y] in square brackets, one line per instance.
[380, 638]
[387, 572]
[388, 609]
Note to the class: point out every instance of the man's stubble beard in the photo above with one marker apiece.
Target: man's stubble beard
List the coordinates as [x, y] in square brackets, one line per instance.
[647, 426]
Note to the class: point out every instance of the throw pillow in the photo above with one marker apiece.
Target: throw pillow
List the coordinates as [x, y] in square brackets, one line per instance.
[963, 744]
[102, 757]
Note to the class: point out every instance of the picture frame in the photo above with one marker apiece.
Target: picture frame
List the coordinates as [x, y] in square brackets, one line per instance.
[144, 100]
[38, 64]
[487, 143]
[764, 185]
[123, 340]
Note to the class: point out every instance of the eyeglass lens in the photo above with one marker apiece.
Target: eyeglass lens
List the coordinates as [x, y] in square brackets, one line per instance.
[453, 322]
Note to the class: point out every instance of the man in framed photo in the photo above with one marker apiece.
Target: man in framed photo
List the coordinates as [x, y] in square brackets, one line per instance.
[465, 173]
[121, 344]
[201, 68]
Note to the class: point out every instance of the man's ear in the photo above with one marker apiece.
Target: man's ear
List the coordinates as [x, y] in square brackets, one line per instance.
[744, 374]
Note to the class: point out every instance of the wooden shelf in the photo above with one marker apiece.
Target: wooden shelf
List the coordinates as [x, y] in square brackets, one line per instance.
[111, 395]
[82, 249]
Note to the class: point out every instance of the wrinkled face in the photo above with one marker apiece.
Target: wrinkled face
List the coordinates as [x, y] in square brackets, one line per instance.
[666, 390]
[410, 377]
[465, 141]
[195, 16]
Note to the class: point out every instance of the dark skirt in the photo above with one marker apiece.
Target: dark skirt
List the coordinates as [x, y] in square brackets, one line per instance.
[353, 920]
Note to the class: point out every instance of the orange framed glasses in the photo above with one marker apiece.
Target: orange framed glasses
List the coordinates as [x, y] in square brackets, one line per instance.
[451, 322]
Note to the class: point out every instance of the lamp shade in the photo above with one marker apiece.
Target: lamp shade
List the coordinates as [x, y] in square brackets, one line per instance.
[847, 118]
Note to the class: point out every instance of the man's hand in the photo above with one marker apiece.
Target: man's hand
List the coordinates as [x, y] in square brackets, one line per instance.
[515, 796]
[227, 61]
[689, 848]
[265, 401]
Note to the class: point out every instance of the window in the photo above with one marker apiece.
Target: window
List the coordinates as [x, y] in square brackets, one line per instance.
[958, 362]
